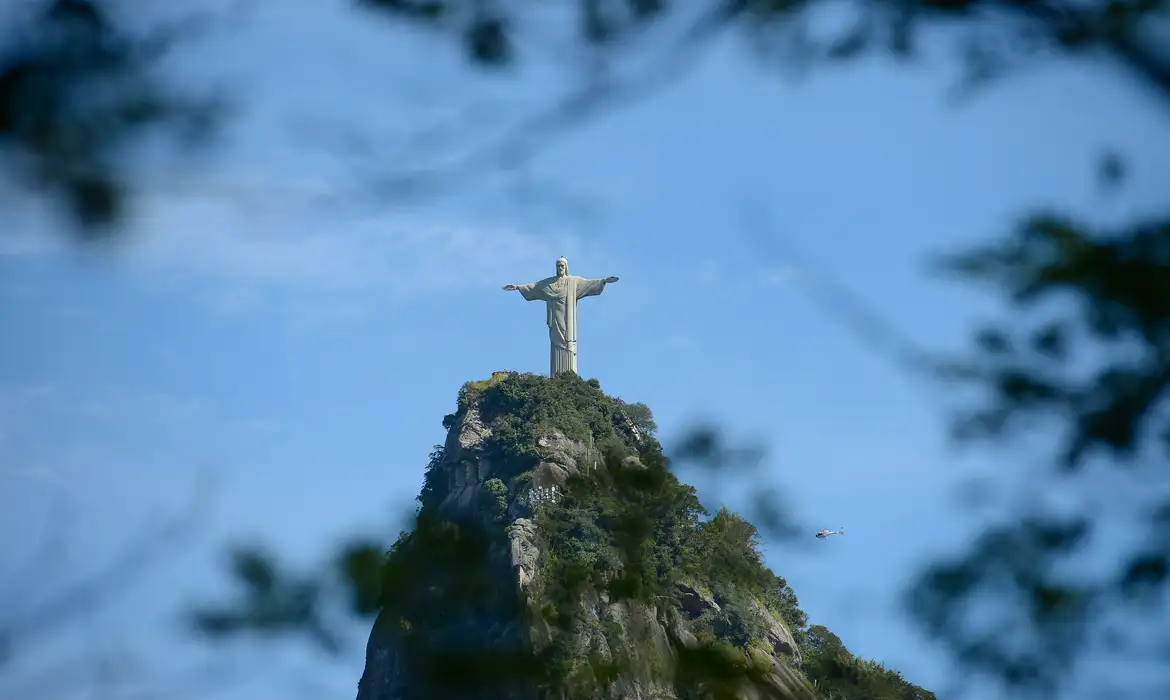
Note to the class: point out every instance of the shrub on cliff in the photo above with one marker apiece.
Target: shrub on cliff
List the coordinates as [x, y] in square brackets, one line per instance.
[524, 407]
[840, 674]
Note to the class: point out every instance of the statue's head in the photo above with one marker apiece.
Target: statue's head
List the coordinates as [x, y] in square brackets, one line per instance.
[562, 267]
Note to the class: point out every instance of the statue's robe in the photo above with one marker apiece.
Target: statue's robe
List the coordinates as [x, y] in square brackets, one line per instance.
[560, 295]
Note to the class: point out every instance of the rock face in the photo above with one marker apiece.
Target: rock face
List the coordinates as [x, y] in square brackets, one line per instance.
[650, 637]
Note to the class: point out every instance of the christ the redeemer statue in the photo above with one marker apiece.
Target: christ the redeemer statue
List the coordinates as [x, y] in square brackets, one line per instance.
[560, 295]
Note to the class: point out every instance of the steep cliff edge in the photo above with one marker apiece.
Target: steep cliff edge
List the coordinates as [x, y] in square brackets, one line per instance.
[555, 556]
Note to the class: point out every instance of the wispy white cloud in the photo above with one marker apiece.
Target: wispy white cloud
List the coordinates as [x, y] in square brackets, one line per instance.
[238, 262]
[17, 400]
[396, 255]
[711, 269]
[36, 473]
[782, 274]
[35, 402]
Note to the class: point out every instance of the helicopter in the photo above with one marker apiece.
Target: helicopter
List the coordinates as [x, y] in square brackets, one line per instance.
[825, 533]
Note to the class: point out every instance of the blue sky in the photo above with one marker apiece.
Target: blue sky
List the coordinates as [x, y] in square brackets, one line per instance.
[304, 351]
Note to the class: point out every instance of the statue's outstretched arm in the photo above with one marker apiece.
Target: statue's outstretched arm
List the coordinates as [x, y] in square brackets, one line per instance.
[531, 291]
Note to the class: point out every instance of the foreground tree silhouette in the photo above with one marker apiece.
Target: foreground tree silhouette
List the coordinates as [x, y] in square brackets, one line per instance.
[57, 136]
[1096, 371]
[1116, 277]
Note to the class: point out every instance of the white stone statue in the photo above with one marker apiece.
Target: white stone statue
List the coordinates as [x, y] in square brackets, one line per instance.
[560, 295]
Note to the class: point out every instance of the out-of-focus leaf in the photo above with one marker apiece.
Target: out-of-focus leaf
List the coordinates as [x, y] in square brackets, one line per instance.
[216, 623]
[1144, 575]
[1014, 563]
[424, 10]
[361, 565]
[1051, 341]
[647, 9]
[1111, 171]
[994, 341]
[850, 45]
[256, 570]
[701, 444]
[775, 520]
[488, 41]
[596, 25]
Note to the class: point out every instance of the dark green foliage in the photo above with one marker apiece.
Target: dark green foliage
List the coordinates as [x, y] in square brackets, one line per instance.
[629, 528]
[729, 549]
[636, 530]
[640, 416]
[434, 487]
[451, 604]
[520, 408]
[779, 596]
[716, 670]
[740, 623]
[496, 499]
[841, 676]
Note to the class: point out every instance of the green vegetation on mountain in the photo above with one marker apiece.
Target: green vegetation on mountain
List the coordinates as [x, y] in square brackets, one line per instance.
[627, 533]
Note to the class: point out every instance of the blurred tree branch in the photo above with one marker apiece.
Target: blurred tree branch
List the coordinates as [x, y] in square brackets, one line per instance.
[274, 601]
[1095, 368]
[56, 134]
[77, 93]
